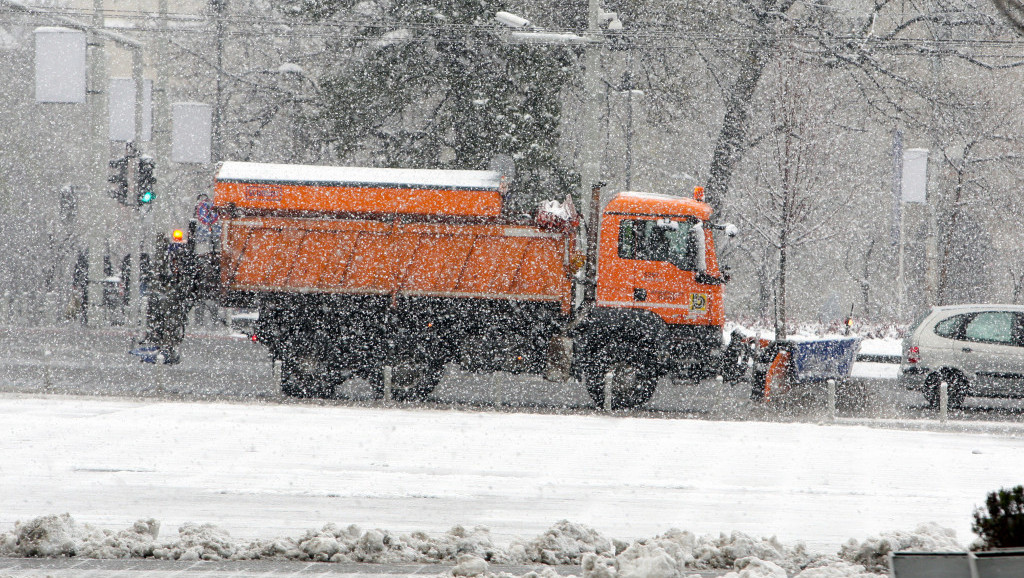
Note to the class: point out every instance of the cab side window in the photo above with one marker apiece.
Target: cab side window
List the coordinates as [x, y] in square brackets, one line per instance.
[992, 327]
[657, 240]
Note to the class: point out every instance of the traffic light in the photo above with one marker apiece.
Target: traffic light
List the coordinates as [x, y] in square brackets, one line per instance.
[119, 178]
[145, 181]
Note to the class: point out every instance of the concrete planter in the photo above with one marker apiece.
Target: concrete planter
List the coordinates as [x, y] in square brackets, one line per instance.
[1001, 563]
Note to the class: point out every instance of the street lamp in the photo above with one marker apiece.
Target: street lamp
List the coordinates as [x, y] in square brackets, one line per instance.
[592, 42]
[511, 20]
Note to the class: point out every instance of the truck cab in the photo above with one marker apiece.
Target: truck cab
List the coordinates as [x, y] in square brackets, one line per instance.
[656, 255]
[659, 288]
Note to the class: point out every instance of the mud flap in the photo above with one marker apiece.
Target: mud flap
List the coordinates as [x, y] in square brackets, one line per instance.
[559, 359]
[777, 377]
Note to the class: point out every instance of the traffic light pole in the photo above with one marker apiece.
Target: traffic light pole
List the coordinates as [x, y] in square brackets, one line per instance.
[93, 229]
[135, 305]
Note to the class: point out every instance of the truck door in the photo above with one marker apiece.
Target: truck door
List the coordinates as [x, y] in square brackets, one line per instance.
[651, 265]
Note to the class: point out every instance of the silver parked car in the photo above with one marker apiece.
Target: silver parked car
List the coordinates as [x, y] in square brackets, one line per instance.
[978, 350]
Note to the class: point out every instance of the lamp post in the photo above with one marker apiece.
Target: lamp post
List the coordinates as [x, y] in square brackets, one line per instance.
[593, 41]
[630, 92]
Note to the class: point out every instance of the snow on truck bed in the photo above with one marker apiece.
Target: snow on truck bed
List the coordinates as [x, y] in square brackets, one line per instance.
[233, 171]
[267, 472]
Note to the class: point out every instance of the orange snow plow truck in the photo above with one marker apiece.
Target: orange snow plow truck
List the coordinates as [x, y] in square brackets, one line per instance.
[391, 274]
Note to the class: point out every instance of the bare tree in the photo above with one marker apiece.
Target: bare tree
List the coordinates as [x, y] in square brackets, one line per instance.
[858, 265]
[1013, 10]
[878, 44]
[794, 201]
[979, 144]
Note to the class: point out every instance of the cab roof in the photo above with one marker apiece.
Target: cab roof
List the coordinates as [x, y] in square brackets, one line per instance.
[654, 204]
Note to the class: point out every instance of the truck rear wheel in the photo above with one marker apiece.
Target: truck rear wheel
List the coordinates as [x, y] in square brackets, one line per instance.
[410, 380]
[297, 381]
[632, 384]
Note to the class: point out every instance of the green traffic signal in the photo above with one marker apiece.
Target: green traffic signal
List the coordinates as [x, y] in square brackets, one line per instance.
[145, 181]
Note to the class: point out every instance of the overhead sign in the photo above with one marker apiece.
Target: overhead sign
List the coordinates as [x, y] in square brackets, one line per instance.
[915, 176]
[121, 109]
[60, 65]
[190, 132]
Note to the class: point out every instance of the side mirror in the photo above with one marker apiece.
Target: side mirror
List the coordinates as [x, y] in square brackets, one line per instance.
[700, 246]
[731, 230]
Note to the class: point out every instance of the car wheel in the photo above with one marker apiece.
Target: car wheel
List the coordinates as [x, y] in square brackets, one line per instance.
[957, 390]
[956, 384]
[931, 390]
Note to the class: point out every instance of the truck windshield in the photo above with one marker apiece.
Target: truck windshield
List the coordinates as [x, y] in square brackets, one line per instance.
[657, 240]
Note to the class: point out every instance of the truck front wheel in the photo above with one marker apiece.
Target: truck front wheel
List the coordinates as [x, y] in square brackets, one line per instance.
[632, 384]
[410, 380]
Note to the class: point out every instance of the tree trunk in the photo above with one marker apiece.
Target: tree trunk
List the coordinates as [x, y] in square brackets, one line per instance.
[780, 306]
[732, 139]
[950, 225]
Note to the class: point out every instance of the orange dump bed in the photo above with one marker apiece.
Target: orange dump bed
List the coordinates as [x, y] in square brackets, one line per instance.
[373, 257]
[396, 232]
[266, 187]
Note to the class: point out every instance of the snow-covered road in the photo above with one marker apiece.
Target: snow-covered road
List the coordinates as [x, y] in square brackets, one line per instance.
[277, 470]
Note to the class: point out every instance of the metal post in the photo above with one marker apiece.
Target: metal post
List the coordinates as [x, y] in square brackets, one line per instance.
[593, 222]
[629, 136]
[92, 214]
[220, 7]
[609, 378]
[832, 399]
[386, 379]
[943, 401]
[499, 391]
[162, 207]
[160, 375]
[897, 209]
[47, 377]
[590, 171]
[135, 317]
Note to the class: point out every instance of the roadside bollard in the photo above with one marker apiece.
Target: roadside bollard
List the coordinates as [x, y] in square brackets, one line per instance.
[47, 378]
[943, 401]
[160, 375]
[609, 378]
[499, 390]
[50, 313]
[831, 399]
[275, 369]
[386, 379]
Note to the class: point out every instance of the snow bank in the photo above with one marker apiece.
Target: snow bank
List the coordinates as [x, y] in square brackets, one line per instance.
[56, 536]
[564, 543]
[872, 553]
[670, 555]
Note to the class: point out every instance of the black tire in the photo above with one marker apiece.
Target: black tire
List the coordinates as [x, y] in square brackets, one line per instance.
[957, 388]
[410, 381]
[633, 383]
[757, 386]
[931, 390]
[298, 383]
